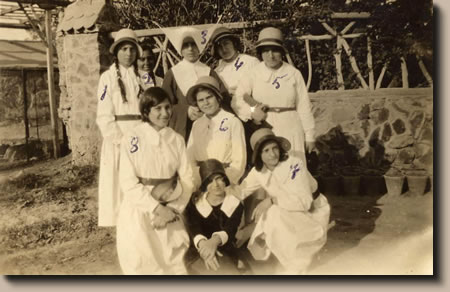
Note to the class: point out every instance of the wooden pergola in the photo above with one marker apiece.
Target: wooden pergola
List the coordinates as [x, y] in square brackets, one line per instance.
[24, 14]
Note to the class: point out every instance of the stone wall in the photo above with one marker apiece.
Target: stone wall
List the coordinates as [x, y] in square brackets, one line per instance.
[82, 58]
[397, 121]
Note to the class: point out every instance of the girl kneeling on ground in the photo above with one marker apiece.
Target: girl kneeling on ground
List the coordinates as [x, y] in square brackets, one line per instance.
[292, 222]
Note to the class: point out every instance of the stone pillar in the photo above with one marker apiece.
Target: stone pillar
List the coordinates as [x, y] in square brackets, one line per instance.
[82, 46]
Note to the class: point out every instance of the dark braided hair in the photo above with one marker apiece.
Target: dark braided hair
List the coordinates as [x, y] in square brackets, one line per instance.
[123, 92]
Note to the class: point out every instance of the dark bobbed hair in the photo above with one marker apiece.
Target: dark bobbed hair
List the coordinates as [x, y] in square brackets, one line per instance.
[258, 161]
[276, 48]
[208, 180]
[149, 98]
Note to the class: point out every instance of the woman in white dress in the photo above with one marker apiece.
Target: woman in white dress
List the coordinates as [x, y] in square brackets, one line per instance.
[217, 134]
[275, 91]
[117, 113]
[156, 180]
[292, 222]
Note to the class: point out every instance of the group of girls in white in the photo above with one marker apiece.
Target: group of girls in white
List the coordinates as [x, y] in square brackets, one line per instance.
[182, 155]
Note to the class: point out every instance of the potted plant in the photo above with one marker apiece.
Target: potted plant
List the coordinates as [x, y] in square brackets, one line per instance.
[394, 179]
[351, 177]
[417, 180]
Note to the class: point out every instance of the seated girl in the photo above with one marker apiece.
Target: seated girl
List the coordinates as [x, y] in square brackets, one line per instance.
[292, 222]
[213, 216]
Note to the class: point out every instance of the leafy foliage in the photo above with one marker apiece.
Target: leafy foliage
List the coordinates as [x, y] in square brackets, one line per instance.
[397, 28]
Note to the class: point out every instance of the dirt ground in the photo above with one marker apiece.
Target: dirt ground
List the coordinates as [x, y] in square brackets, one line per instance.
[48, 226]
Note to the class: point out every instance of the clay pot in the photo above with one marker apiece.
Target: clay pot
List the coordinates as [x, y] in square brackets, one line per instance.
[416, 184]
[350, 185]
[373, 185]
[394, 184]
[329, 185]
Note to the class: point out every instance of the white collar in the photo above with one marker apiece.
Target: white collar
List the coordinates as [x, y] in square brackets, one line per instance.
[187, 73]
[268, 75]
[229, 204]
[155, 137]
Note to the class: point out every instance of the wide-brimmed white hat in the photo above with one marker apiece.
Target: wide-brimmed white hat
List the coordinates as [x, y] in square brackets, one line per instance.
[260, 136]
[270, 36]
[126, 35]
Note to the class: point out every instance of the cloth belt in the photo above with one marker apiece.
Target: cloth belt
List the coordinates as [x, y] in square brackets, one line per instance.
[156, 181]
[281, 109]
[225, 165]
[127, 117]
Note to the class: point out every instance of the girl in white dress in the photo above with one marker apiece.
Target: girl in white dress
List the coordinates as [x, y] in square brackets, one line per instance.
[117, 113]
[156, 180]
[292, 222]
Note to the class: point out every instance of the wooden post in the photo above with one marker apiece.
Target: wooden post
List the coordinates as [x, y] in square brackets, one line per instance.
[370, 64]
[380, 77]
[424, 71]
[308, 56]
[51, 84]
[405, 83]
[164, 56]
[337, 57]
[25, 112]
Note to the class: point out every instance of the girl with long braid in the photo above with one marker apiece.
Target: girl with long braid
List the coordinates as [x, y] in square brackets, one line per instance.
[117, 113]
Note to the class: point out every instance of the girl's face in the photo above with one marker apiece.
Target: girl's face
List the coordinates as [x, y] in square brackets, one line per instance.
[145, 62]
[160, 114]
[226, 50]
[190, 51]
[270, 154]
[126, 54]
[207, 102]
[217, 185]
[272, 57]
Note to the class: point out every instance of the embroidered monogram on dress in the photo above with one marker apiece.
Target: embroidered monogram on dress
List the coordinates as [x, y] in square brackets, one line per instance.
[294, 169]
[104, 93]
[222, 128]
[276, 83]
[134, 145]
[147, 79]
[204, 33]
[238, 64]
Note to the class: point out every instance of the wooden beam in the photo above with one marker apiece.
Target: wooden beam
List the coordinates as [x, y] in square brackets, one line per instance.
[15, 25]
[51, 85]
[328, 37]
[48, 3]
[405, 83]
[35, 27]
[308, 57]
[380, 77]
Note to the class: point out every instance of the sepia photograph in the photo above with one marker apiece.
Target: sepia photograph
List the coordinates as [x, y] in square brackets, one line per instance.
[235, 137]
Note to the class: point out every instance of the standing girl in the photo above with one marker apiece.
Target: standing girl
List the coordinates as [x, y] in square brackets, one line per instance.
[117, 113]
[156, 181]
[277, 88]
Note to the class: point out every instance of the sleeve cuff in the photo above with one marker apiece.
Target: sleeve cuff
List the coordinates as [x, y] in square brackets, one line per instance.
[223, 236]
[310, 136]
[197, 239]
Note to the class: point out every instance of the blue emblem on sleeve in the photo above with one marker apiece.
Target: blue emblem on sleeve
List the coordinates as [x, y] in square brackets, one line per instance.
[238, 64]
[134, 145]
[104, 93]
[222, 128]
[276, 83]
[294, 169]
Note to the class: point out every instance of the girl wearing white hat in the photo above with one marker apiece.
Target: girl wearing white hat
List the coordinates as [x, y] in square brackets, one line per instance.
[292, 222]
[156, 180]
[183, 75]
[117, 113]
[277, 88]
[217, 134]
